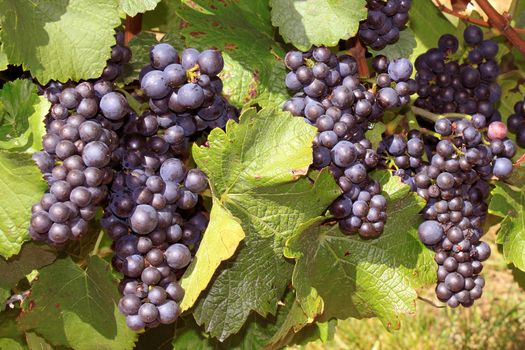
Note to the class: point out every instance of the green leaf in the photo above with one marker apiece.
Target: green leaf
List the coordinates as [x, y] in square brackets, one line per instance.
[376, 134]
[11, 338]
[77, 308]
[428, 24]
[31, 257]
[22, 114]
[511, 93]
[519, 276]
[132, 7]
[325, 22]
[253, 68]
[510, 205]
[255, 334]
[140, 46]
[59, 40]
[402, 48]
[3, 58]
[36, 342]
[253, 169]
[222, 236]
[21, 186]
[366, 278]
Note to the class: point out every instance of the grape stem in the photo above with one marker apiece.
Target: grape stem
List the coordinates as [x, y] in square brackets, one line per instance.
[97, 244]
[502, 24]
[133, 27]
[435, 117]
[466, 18]
[430, 302]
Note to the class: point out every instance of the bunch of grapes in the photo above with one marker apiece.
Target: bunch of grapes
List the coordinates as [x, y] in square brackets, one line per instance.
[446, 85]
[188, 87]
[329, 95]
[384, 21]
[76, 160]
[154, 215]
[120, 55]
[455, 185]
[516, 122]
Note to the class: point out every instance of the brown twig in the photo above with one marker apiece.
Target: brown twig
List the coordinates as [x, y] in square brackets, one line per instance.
[358, 51]
[133, 27]
[466, 18]
[502, 24]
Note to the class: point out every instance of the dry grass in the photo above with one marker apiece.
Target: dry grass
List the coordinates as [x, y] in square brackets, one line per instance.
[497, 321]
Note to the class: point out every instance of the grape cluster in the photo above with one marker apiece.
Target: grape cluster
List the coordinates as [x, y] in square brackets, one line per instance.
[120, 55]
[329, 95]
[445, 85]
[76, 160]
[384, 21]
[188, 87]
[455, 185]
[154, 215]
[516, 122]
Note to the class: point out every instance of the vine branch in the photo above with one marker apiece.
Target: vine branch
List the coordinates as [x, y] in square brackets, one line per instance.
[469, 19]
[358, 51]
[133, 27]
[502, 24]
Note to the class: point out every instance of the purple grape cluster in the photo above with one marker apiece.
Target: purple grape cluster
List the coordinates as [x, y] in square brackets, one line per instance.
[516, 122]
[76, 160]
[446, 85]
[329, 95]
[385, 20]
[187, 86]
[154, 215]
[455, 185]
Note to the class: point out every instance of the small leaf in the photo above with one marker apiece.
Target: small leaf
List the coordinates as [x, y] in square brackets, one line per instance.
[77, 308]
[132, 7]
[376, 134]
[34, 341]
[21, 186]
[59, 40]
[402, 48]
[22, 114]
[222, 236]
[11, 338]
[3, 58]
[253, 169]
[31, 257]
[307, 23]
[509, 204]
[366, 278]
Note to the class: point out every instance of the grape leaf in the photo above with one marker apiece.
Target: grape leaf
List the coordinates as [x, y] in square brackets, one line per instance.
[22, 114]
[59, 40]
[31, 257]
[255, 334]
[11, 337]
[3, 58]
[402, 48]
[139, 46]
[222, 236]
[253, 169]
[307, 23]
[428, 24]
[81, 305]
[366, 278]
[511, 93]
[132, 7]
[509, 205]
[253, 69]
[36, 342]
[21, 186]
